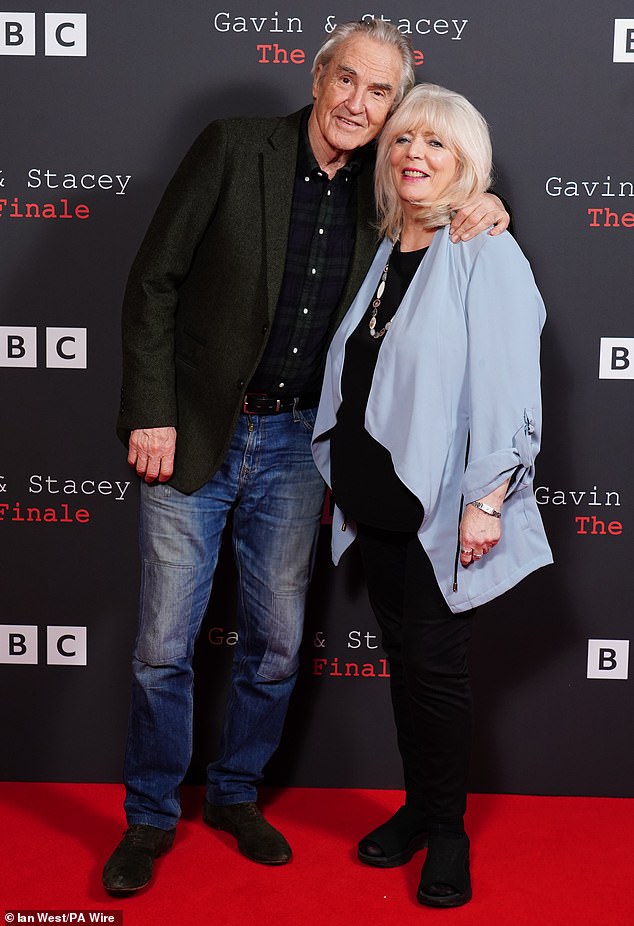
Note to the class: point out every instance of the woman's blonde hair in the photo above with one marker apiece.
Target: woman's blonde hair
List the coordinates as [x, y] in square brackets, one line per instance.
[464, 132]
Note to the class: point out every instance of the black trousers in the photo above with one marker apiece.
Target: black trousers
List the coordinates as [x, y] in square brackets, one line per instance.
[427, 647]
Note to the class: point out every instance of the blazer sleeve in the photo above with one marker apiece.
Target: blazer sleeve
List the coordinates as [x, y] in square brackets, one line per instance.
[505, 316]
[148, 394]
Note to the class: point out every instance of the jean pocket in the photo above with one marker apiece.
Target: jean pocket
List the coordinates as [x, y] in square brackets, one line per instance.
[306, 417]
[165, 613]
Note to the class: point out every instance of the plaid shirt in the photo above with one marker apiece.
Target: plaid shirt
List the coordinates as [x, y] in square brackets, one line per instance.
[320, 244]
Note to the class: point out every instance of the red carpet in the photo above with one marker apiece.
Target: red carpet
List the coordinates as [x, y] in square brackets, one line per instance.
[536, 861]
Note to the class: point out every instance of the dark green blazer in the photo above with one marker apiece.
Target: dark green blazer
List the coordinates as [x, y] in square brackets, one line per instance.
[204, 286]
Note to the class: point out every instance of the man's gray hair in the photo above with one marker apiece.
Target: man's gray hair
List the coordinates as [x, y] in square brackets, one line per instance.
[379, 31]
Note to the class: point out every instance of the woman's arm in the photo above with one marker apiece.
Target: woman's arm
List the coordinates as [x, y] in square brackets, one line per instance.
[505, 315]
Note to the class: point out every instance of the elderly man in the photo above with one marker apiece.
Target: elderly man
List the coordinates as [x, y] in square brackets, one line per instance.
[255, 251]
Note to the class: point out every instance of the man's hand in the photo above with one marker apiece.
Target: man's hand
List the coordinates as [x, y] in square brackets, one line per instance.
[151, 452]
[477, 215]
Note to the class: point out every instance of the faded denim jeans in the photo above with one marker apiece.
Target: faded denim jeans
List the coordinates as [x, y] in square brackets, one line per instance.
[269, 481]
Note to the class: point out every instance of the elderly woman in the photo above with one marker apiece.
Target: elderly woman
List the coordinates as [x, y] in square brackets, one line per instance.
[427, 431]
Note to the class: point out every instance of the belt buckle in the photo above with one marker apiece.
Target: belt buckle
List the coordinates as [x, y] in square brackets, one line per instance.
[252, 395]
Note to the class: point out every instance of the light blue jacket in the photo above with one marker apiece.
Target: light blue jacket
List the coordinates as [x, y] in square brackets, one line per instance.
[457, 376]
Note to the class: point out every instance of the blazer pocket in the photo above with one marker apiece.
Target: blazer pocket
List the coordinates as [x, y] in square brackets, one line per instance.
[189, 348]
[198, 338]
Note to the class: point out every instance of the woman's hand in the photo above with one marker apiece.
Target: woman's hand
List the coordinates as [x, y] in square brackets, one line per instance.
[479, 531]
[477, 215]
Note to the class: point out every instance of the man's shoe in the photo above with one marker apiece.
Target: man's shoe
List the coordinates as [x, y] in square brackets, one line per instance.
[395, 841]
[129, 868]
[445, 880]
[257, 839]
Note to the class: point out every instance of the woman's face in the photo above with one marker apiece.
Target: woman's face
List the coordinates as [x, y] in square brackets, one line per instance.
[422, 166]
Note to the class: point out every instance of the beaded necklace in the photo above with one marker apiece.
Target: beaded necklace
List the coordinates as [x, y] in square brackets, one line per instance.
[376, 302]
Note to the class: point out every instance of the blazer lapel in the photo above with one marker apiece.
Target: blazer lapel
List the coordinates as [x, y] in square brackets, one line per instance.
[278, 160]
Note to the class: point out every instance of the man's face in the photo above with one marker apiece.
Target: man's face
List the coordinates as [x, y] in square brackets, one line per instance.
[354, 93]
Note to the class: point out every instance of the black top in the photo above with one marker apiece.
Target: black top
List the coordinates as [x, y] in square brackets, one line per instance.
[321, 239]
[364, 483]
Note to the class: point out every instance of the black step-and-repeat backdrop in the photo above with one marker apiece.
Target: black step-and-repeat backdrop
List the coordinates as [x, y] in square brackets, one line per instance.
[98, 106]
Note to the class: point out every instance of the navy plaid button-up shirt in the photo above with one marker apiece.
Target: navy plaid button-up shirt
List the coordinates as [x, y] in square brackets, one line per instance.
[320, 244]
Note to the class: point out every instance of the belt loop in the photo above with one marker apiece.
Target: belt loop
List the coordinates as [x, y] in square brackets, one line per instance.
[296, 415]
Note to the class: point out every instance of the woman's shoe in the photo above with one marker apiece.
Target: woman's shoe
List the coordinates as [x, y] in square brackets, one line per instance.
[445, 880]
[395, 841]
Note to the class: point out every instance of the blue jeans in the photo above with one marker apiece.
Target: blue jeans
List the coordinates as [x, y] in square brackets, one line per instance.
[269, 481]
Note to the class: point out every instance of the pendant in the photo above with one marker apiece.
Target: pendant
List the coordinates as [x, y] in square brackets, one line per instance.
[376, 302]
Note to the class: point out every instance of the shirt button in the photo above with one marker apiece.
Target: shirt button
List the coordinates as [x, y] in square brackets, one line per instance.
[307, 179]
[328, 193]
[305, 311]
[321, 231]
[294, 350]
[313, 271]
[281, 385]
[240, 384]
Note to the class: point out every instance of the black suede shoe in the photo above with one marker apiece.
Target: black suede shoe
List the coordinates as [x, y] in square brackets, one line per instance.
[445, 880]
[129, 868]
[395, 841]
[257, 839]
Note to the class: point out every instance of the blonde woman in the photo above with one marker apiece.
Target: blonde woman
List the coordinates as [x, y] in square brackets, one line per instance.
[427, 432]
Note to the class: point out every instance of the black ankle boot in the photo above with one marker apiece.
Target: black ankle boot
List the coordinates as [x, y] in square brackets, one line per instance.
[445, 880]
[395, 841]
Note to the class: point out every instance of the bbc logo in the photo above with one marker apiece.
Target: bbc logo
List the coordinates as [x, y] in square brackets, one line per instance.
[65, 646]
[64, 34]
[608, 658]
[615, 358]
[66, 348]
[623, 41]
